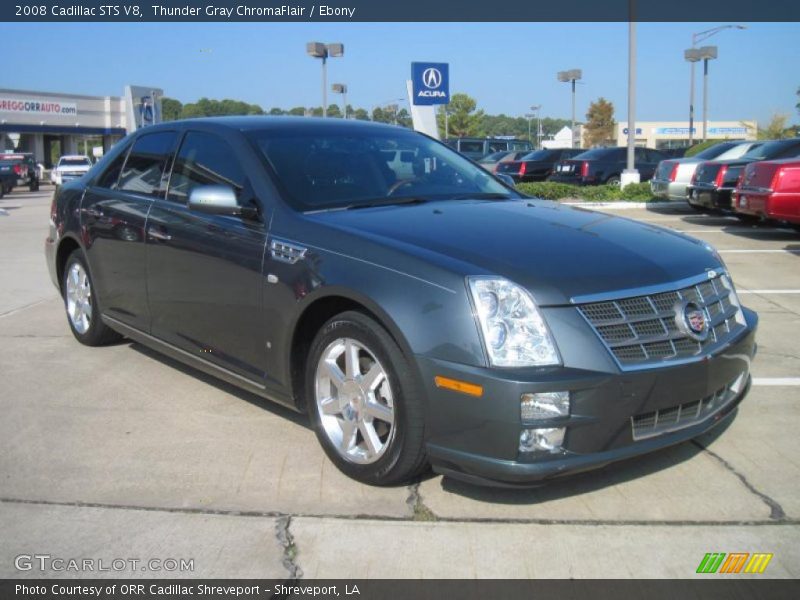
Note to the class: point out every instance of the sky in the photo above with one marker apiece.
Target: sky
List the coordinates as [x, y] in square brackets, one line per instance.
[506, 67]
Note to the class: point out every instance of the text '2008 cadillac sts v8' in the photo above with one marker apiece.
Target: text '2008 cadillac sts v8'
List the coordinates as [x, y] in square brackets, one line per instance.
[420, 311]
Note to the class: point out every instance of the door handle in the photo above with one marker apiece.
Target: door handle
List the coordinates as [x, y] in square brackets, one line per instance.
[157, 234]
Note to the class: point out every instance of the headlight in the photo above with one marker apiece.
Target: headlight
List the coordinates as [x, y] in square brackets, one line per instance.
[513, 329]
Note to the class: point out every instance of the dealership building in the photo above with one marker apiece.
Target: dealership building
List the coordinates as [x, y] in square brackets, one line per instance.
[675, 134]
[50, 124]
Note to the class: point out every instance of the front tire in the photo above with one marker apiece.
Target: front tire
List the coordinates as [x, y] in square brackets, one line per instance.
[80, 303]
[364, 402]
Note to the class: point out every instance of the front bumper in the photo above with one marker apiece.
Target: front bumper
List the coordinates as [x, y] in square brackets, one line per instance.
[709, 196]
[477, 438]
[668, 190]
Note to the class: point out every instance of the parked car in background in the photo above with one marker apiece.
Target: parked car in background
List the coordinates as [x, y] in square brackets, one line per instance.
[491, 162]
[69, 167]
[770, 189]
[713, 182]
[417, 320]
[19, 169]
[673, 175]
[605, 165]
[537, 165]
[476, 148]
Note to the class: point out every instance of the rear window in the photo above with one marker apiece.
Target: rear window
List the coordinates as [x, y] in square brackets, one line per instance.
[773, 150]
[715, 150]
[603, 154]
[542, 155]
[74, 162]
[465, 146]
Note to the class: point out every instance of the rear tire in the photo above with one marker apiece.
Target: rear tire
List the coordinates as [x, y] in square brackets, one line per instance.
[364, 402]
[613, 180]
[80, 303]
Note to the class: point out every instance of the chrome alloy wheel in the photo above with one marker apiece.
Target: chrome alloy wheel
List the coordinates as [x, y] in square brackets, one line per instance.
[354, 401]
[79, 298]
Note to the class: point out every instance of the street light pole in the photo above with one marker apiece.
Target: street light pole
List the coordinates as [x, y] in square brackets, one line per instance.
[535, 108]
[708, 53]
[692, 56]
[572, 76]
[323, 51]
[631, 170]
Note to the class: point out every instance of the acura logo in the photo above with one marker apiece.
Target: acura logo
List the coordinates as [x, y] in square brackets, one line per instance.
[431, 78]
[691, 320]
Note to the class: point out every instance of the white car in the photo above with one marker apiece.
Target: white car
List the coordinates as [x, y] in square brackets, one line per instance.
[70, 167]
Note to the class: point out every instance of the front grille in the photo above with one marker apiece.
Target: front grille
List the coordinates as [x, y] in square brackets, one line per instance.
[641, 331]
[661, 421]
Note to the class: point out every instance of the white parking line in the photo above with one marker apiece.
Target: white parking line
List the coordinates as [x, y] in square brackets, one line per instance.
[788, 251]
[737, 230]
[776, 381]
[740, 291]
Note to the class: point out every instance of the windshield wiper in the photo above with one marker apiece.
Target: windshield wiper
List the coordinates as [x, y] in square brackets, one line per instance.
[482, 196]
[389, 201]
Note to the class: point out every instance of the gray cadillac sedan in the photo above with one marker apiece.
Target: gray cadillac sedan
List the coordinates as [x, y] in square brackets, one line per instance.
[421, 312]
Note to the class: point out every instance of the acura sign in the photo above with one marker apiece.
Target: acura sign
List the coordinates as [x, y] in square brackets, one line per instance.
[430, 83]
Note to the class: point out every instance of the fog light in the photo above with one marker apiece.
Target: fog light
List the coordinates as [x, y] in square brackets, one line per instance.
[544, 405]
[541, 440]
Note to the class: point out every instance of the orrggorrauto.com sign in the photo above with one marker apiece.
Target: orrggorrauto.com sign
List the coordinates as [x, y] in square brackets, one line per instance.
[29, 106]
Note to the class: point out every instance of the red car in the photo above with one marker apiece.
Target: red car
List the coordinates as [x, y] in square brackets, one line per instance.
[770, 189]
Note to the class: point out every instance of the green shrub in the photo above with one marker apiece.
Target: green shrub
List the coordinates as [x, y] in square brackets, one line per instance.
[551, 190]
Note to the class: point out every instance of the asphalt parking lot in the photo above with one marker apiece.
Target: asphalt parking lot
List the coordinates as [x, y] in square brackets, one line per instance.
[118, 452]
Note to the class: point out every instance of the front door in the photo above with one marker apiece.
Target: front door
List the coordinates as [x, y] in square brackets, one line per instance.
[204, 271]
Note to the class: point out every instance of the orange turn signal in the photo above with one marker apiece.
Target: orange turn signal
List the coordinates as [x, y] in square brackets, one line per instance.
[470, 389]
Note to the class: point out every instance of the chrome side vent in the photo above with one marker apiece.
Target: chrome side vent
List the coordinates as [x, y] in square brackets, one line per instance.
[286, 252]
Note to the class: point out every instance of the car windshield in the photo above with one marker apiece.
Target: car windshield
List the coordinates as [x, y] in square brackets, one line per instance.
[715, 150]
[541, 155]
[74, 162]
[770, 150]
[356, 167]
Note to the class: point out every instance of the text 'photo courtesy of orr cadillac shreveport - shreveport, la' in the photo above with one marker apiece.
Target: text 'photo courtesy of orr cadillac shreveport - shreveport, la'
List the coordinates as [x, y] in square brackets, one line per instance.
[406, 299]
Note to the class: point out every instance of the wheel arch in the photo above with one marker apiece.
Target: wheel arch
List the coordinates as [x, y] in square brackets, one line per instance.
[314, 314]
[66, 246]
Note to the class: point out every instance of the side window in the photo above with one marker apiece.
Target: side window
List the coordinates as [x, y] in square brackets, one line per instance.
[640, 155]
[470, 146]
[497, 146]
[109, 177]
[204, 159]
[144, 171]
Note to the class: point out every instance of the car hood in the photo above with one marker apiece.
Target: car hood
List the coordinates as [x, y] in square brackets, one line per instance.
[559, 253]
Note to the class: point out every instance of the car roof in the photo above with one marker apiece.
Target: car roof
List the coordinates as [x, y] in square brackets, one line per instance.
[277, 124]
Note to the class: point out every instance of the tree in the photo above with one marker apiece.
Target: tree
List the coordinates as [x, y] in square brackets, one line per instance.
[463, 119]
[403, 118]
[359, 113]
[297, 111]
[600, 124]
[776, 129]
[277, 111]
[170, 109]
[334, 111]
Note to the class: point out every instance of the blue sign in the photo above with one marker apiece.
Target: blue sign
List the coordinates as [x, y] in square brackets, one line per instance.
[430, 83]
[638, 131]
[674, 130]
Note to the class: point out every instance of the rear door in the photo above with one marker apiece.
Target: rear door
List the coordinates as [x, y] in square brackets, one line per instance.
[113, 217]
[204, 271]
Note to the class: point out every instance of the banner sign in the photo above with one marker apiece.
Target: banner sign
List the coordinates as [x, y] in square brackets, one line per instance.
[30, 106]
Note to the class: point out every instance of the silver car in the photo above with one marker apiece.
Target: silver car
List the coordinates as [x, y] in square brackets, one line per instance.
[673, 175]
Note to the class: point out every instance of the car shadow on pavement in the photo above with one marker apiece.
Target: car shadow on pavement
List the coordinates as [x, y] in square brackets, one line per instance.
[584, 483]
[273, 407]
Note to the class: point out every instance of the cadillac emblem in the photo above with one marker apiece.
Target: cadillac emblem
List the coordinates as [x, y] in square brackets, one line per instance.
[691, 320]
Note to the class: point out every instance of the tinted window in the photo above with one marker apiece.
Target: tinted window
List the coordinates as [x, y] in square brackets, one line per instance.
[498, 146]
[145, 169]
[495, 156]
[349, 167]
[772, 150]
[519, 145]
[110, 176]
[465, 146]
[603, 154]
[543, 155]
[715, 150]
[74, 162]
[204, 159]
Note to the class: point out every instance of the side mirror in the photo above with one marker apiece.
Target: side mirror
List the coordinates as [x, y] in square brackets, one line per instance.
[218, 200]
[507, 179]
